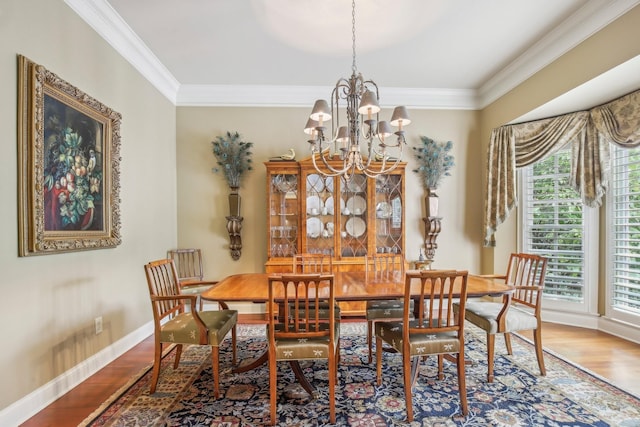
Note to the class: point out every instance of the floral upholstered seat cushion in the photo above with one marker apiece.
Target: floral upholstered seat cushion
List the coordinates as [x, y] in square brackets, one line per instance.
[182, 328]
[305, 348]
[386, 309]
[420, 343]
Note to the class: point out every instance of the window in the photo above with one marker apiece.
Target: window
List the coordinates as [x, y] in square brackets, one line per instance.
[623, 233]
[555, 224]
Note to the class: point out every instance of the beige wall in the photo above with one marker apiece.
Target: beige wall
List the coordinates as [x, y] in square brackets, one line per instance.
[171, 198]
[50, 301]
[612, 46]
[202, 195]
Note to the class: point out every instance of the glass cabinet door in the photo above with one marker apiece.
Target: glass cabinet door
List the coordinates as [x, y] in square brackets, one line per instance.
[283, 214]
[353, 216]
[320, 209]
[388, 214]
[348, 219]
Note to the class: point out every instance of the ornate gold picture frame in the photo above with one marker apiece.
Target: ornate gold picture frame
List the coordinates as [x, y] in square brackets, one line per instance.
[68, 166]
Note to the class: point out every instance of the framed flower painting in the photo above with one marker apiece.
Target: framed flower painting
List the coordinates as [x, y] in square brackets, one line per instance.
[68, 166]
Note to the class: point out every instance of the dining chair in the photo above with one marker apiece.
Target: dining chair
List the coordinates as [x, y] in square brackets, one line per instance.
[312, 263]
[300, 333]
[190, 272]
[519, 311]
[436, 329]
[173, 324]
[383, 267]
[315, 263]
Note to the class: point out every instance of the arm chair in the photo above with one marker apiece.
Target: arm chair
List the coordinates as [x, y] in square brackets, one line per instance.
[190, 274]
[383, 267]
[175, 325]
[436, 328]
[519, 311]
[301, 333]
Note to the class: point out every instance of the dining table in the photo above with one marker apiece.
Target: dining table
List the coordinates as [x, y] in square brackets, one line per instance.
[348, 286]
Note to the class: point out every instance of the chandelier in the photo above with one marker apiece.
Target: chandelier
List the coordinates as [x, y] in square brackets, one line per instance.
[355, 101]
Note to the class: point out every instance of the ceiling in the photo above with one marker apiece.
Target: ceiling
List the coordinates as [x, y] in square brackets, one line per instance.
[421, 53]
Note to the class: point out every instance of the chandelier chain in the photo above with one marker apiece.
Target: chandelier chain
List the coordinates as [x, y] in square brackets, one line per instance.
[353, 35]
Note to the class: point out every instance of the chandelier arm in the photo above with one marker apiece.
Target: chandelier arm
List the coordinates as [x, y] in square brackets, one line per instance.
[378, 173]
[333, 172]
[374, 174]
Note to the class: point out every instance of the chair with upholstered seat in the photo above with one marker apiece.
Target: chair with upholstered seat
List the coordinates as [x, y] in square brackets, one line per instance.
[436, 328]
[383, 267]
[190, 271]
[302, 333]
[315, 263]
[519, 311]
[173, 324]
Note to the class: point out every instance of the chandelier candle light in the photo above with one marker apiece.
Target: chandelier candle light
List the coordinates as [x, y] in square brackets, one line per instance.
[359, 97]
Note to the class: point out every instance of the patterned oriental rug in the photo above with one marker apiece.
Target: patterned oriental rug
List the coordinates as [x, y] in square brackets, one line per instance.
[519, 396]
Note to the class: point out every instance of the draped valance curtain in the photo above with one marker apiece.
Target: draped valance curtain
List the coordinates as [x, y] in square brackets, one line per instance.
[589, 133]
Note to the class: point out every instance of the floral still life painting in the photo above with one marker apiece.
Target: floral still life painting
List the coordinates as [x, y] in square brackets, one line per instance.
[68, 166]
[72, 174]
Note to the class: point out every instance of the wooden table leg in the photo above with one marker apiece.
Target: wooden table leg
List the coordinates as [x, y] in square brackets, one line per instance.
[295, 367]
[261, 360]
[297, 371]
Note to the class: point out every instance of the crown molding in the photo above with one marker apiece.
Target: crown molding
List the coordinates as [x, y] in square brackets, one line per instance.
[588, 20]
[303, 96]
[592, 17]
[110, 26]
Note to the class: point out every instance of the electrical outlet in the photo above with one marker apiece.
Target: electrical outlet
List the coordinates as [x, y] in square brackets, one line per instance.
[98, 323]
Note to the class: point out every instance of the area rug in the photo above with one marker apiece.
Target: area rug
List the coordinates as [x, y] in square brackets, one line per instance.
[519, 396]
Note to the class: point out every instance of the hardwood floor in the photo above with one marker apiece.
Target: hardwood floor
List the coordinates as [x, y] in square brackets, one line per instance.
[608, 356]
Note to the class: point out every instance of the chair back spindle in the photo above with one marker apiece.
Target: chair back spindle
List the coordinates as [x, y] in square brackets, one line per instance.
[190, 272]
[188, 263]
[312, 263]
[297, 295]
[437, 291]
[527, 272]
[385, 266]
[162, 280]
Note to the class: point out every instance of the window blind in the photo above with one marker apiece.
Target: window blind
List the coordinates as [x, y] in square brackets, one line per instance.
[625, 237]
[554, 226]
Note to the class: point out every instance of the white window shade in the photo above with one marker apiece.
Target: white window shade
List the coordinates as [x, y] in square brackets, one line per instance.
[624, 235]
[554, 224]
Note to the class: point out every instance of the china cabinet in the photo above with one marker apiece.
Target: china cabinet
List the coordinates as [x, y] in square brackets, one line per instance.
[347, 219]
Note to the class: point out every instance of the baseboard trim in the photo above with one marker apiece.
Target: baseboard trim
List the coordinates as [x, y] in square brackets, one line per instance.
[593, 321]
[620, 329]
[34, 402]
[580, 320]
